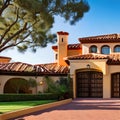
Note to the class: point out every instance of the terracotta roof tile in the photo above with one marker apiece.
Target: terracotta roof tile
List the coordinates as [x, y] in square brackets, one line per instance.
[21, 67]
[101, 39]
[70, 46]
[5, 57]
[87, 56]
[62, 33]
[114, 59]
[54, 68]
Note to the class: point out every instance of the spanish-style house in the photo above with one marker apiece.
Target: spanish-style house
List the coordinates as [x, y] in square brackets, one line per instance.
[93, 64]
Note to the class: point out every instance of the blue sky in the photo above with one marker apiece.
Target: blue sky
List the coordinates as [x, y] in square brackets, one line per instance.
[102, 18]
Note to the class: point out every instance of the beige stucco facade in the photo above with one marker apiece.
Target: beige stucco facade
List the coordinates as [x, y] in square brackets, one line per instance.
[41, 85]
[78, 62]
[98, 65]
[86, 47]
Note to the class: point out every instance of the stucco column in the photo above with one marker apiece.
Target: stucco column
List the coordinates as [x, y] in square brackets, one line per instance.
[106, 86]
[74, 86]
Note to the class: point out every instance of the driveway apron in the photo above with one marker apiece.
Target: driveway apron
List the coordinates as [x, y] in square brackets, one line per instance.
[79, 109]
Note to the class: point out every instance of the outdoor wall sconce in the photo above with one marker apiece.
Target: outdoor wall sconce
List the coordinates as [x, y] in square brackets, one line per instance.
[88, 66]
[41, 82]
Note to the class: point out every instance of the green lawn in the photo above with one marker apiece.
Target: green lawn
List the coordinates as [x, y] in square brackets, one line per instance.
[11, 106]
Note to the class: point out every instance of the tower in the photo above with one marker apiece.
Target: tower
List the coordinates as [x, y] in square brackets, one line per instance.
[62, 40]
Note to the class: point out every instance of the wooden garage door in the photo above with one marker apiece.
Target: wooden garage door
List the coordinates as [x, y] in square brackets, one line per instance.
[89, 84]
[115, 85]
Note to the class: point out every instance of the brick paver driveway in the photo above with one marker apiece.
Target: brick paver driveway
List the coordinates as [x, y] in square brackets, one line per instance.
[80, 109]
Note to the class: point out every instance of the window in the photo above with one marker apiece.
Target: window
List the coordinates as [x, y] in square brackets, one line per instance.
[56, 56]
[62, 39]
[105, 49]
[117, 48]
[93, 49]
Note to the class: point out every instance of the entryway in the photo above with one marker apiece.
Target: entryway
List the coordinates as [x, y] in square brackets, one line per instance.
[89, 84]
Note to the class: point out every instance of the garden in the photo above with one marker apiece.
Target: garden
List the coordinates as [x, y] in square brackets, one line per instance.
[56, 91]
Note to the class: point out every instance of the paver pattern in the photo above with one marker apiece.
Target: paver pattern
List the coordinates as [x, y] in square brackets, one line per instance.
[80, 109]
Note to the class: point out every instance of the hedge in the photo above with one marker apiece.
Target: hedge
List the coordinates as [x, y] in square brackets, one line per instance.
[28, 97]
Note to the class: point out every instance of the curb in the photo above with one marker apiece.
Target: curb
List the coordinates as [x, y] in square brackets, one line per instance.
[18, 113]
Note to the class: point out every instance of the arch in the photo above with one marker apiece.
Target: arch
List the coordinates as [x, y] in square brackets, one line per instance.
[93, 49]
[89, 83]
[115, 85]
[117, 48]
[16, 85]
[105, 49]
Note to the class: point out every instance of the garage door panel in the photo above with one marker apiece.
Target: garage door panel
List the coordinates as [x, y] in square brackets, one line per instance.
[115, 85]
[89, 84]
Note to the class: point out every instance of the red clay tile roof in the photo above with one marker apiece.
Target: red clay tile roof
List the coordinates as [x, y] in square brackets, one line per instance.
[70, 46]
[19, 67]
[112, 59]
[62, 33]
[54, 68]
[110, 38]
[5, 57]
[87, 56]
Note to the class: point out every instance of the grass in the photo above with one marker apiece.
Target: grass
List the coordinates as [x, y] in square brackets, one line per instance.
[12, 106]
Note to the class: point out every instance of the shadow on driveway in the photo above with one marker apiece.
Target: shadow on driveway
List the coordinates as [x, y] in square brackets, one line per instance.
[82, 105]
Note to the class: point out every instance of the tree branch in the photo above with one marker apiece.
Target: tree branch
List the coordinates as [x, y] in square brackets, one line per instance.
[5, 5]
[14, 35]
[7, 30]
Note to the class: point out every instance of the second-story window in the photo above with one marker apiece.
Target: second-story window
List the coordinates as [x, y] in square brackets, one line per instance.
[105, 49]
[93, 49]
[117, 48]
[56, 56]
[62, 39]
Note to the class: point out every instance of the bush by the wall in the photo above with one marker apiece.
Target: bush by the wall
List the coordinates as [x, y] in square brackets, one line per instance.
[28, 97]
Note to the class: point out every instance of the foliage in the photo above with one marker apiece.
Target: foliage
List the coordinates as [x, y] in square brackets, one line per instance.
[27, 23]
[51, 86]
[32, 82]
[62, 87]
[26, 97]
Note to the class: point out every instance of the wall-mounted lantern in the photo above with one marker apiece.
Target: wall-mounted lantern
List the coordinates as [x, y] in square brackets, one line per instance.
[88, 66]
[41, 83]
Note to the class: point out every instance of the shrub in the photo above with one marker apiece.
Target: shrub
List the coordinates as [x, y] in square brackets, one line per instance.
[62, 87]
[27, 97]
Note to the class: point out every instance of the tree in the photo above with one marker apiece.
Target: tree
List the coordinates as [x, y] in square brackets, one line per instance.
[27, 23]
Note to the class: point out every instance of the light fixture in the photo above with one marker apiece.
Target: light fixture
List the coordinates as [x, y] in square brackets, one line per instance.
[88, 66]
[41, 82]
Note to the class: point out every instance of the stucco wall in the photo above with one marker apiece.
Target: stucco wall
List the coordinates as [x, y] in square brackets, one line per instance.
[40, 87]
[101, 65]
[95, 64]
[74, 52]
[85, 47]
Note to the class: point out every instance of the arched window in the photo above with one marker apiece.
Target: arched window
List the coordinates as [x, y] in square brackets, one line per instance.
[105, 49]
[117, 48]
[93, 49]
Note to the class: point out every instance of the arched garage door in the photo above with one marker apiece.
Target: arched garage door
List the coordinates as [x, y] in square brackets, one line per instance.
[115, 85]
[89, 84]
